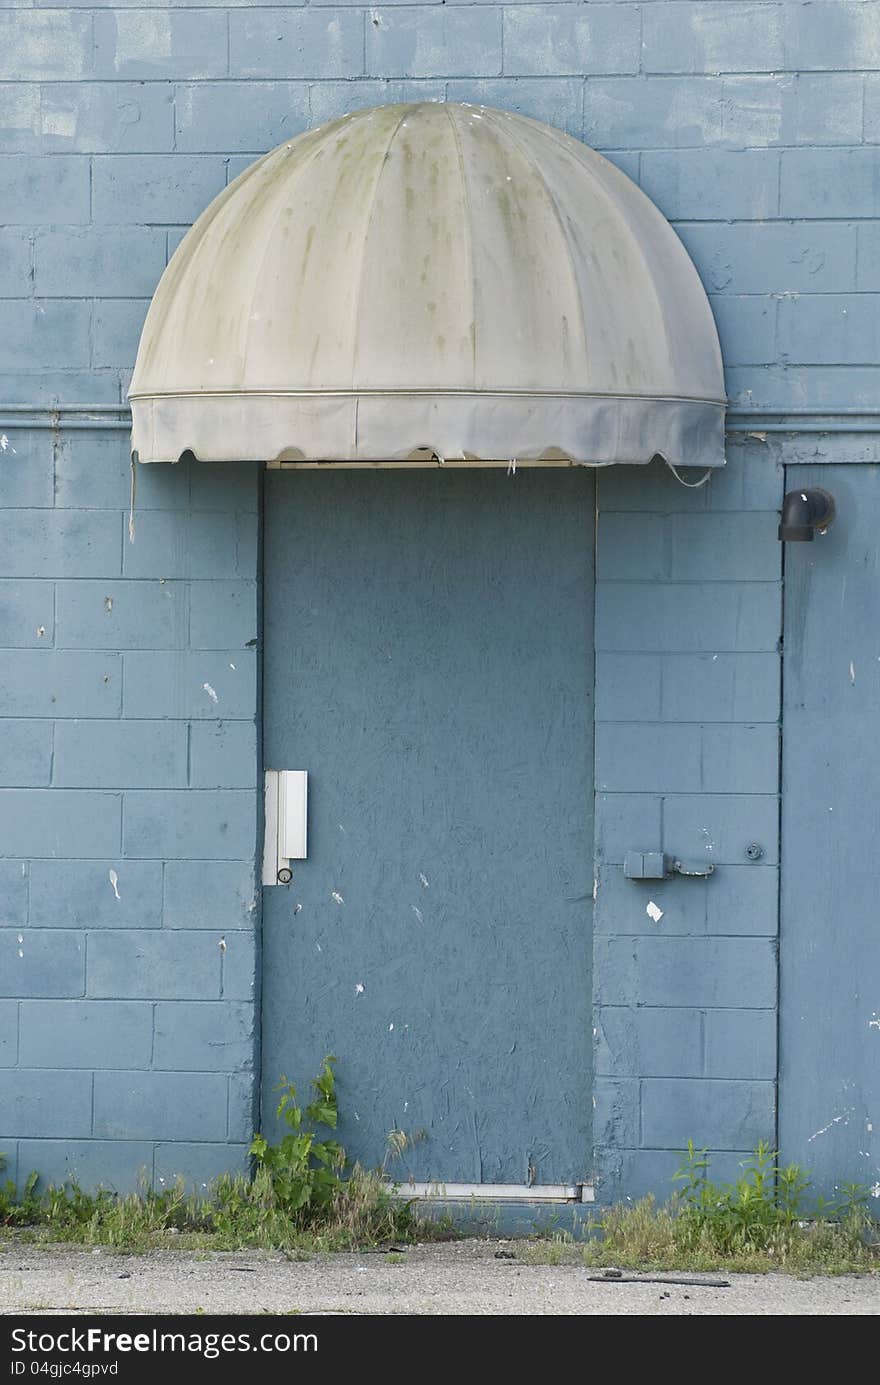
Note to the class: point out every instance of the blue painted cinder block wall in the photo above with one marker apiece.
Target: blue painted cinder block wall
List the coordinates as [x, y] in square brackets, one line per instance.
[127, 1027]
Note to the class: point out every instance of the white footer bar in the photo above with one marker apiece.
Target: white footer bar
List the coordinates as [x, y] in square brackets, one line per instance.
[498, 1192]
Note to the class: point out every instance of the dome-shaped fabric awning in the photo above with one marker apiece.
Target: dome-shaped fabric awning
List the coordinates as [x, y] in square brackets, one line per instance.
[430, 279]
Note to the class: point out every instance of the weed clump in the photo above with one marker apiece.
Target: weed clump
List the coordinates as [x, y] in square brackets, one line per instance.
[303, 1197]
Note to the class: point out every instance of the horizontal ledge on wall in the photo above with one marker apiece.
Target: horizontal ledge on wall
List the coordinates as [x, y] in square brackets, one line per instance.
[116, 417]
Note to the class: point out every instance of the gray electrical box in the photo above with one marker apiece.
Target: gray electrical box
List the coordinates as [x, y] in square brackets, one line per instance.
[645, 865]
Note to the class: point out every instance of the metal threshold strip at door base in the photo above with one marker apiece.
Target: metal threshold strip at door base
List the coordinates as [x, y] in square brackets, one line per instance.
[497, 1192]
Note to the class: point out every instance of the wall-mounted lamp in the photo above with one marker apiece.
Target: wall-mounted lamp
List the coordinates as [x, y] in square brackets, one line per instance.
[804, 513]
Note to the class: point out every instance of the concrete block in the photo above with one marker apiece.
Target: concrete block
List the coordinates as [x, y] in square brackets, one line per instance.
[833, 108]
[107, 117]
[558, 40]
[706, 618]
[869, 256]
[222, 613]
[201, 823]
[26, 615]
[250, 117]
[830, 183]
[686, 687]
[9, 1158]
[626, 822]
[26, 469]
[725, 973]
[52, 188]
[15, 261]
[736, 900]
[830, 329]
[768, 257]
[198, 1164]
[124, 1166]
[209, 1037]
[726, 1114]
[633, 1043]
[785, 387]
[628, 687]
[117, 324]
[837, 35]
[85, 1034]
[160, 1106]
[38, 45]
[59, 822]
[242, 1117]
[696, 185]
[615, 1111]
[154, 187]
[110, 262]
[653, 112]
[719, 827]
[223, 755]
[636, 1173]
[296, 42]
[41, 964]
[13, 894]
[641, 1042]
[162, 42]
[153, 966]
[33, 389]
[120, 614]
[216, 895]
[758, 112]
[555, 100]
[746, 329]
[682, 548]
[46, 1102]
[93, 470]
[686, 758]
[327, 100]
[736, 687]
[43, 682]
[239, 977]
[183, 685]
[120, 754]
[20, 117]
[437, 42]
[27, 754]
[741, 1043]
[73, 543]
[724, 36]
[171, 544]
[8, 1033]
[81, 894]
[47, 332]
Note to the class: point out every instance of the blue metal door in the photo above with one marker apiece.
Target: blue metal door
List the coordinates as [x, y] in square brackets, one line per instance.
[829, 1076]
[428, 643]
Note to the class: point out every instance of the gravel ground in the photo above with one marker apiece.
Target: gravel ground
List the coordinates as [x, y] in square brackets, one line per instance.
[465, 1277]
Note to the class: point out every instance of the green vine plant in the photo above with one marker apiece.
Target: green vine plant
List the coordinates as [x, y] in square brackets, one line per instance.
[305, 1170]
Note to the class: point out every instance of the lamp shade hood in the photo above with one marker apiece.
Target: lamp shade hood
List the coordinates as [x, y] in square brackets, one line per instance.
[430, 280]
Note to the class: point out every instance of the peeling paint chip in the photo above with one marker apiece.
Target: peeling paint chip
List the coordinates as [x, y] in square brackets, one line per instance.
[654, 914]
[210, 691]
[114, 881]
[337, 897]
[359, 988]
